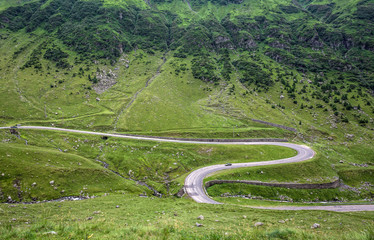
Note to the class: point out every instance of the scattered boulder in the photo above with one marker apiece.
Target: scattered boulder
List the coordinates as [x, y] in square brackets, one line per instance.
[201, 217]
[98, 99]
[52, 182]
[33, 184]
[257, 224]
[181, 192]
[341, 161]
[244, 216]
[89, 218]
[199, 225]
[349, 136]
[117, 206]
[281, 221]
[50, 233]
[316, 225]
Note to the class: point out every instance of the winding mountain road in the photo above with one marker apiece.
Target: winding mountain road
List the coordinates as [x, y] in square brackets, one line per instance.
[194, 182]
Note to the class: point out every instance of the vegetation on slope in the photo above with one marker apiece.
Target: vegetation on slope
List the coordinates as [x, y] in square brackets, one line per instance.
[100, 65]
[77, 163]
[151, 218]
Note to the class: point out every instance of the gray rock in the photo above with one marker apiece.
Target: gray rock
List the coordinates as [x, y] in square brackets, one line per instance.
[52, 182]
[281, 221]
[117, 206]
[89, 218]
[201, 217]
[50, 233]
[244, 216]
[349, 136]
[316, 225]
[199, 225]
[33, 184]
[257, 224]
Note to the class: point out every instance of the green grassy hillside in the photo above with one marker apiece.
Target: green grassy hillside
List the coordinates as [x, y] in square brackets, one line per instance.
[173, 219]
[194, 69]
[76, 162]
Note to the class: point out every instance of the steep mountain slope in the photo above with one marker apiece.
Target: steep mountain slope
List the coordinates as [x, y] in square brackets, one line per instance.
[197, 68]
[309, 47]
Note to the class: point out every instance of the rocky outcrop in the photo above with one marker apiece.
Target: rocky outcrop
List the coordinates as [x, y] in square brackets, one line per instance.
[106, 79]
[246, 41]
[223, 42]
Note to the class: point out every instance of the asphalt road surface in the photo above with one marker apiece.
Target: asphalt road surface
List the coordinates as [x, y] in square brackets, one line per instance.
[194, 182]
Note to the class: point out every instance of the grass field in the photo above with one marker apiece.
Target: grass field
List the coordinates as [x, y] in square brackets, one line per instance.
[55, 156]
[153, 218]
[45, 165]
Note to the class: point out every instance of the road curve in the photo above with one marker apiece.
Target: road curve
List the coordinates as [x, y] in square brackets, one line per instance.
[194, 182]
